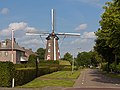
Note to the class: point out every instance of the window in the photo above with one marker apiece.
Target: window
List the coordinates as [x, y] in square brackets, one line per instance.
[49, 50]
[6, 53]
[3, 44]
[49, 44]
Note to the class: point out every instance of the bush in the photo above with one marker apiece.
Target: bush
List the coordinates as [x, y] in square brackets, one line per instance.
[104, 66]
[7, 71]
[27, 65]
[48, 62]
[24, 75]
[118, 68]
[113, 67]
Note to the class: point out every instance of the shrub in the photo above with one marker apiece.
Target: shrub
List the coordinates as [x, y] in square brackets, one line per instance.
[48, 62]
[24, 75]
[113, 67]
[118, 68]
[6, 73]
[104, 66]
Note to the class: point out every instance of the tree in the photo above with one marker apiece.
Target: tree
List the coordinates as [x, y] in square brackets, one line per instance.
[83, 59]
[68, 57]
[108, 41]
[32, 59]
[41, 53]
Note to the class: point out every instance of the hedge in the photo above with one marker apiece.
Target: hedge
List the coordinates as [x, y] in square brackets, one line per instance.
[6, 74]
[24, 73]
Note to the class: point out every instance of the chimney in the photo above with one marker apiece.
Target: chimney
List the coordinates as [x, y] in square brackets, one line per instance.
[23, 48]
[30, 49]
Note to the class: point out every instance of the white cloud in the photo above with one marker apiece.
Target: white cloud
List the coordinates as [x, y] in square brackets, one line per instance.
[89, 35]
[18, 26]
[14, 26]
[81, 27]
[4, 11]
[30, 29]
[85, 38]
[31, 41]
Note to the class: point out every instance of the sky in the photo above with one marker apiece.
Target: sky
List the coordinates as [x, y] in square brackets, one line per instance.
[76, 16]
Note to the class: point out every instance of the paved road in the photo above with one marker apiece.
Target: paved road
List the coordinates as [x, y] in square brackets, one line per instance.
[92, 79]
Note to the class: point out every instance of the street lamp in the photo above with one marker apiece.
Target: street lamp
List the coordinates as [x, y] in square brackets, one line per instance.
[73, 63]
[12, 57]
[73, 60]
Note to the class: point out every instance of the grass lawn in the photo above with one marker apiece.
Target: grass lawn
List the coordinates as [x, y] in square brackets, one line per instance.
[60, 78]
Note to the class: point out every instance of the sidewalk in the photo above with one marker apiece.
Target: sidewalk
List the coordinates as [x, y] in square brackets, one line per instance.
[78, 81]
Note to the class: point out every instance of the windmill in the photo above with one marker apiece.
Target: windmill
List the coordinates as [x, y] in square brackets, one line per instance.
[52, 46]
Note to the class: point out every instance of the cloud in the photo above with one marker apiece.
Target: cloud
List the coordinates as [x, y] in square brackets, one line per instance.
[17, 26]
[85, 38]
[4, 11]
[81, 27]
[13, 26]
[88, 35]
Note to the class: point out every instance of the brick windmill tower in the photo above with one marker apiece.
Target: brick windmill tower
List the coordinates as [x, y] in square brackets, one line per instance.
[52, 46]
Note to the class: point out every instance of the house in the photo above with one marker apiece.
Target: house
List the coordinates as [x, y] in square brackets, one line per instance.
[29, 52]
[15, 55]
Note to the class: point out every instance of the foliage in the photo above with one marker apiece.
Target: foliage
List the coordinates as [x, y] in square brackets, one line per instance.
[87, 59]
[6, 74]
[25, 75]
[104, 66]
[41, 53]
[48, 62]
[63, 62]
[32, 59]
[108, 40]
[68, 57]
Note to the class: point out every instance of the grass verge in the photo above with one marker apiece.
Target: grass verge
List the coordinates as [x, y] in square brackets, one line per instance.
[60, 78]
[113, 75]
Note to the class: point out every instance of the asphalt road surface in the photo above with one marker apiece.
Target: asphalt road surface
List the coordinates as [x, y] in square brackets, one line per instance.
[92, 79]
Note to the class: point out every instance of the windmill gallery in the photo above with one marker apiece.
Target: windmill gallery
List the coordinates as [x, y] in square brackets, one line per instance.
[52, 46]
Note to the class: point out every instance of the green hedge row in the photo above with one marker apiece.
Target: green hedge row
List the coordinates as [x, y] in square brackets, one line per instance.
[24, 73]
[6, 74]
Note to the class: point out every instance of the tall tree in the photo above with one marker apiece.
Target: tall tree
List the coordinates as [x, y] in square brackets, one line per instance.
[41, 53]
[108, 41]
[84, 59]
[32, 59]
[68, 57]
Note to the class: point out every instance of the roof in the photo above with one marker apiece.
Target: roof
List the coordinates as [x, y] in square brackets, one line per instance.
[29, 51]
[8, 45]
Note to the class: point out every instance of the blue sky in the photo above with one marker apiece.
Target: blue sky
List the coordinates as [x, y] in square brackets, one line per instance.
[79, 16]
